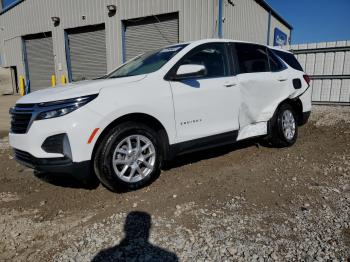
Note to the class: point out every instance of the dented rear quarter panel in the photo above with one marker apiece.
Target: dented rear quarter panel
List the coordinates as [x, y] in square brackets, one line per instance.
[262, 93]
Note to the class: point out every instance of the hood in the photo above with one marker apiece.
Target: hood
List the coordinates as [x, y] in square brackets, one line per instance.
[77, 89]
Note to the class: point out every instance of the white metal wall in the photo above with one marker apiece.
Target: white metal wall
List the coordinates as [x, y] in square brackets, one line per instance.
[246, 20]
[249, 21]
[197, 20]
[34, 16]
[328, 64]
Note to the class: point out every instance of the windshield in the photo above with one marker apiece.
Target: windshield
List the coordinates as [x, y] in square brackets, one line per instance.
[147, 63]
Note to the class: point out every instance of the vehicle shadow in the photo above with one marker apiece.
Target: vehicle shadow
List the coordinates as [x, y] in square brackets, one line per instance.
[191, 158]
[68, 181]
[135, 246]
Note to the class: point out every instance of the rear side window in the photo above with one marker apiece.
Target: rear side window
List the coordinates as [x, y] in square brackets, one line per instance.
[289, 59]
[252, 58]
[275, 63]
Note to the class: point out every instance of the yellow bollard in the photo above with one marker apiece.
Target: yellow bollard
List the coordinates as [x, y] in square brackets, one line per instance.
[53, 80]
[22, 86]
[63, 80]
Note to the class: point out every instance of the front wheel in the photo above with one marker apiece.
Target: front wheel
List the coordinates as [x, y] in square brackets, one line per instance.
[129, 157]
[284, 127]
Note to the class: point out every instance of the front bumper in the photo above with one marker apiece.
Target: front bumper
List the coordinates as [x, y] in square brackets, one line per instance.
[80, 170]
[77, 126]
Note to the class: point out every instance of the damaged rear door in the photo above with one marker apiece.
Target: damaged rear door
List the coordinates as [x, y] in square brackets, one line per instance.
[263, 82]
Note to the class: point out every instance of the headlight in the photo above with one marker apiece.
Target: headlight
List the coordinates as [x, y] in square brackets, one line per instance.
[62, 107]
[56, 113]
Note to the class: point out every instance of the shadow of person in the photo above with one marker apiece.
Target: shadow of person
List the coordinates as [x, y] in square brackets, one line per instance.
[135, 245]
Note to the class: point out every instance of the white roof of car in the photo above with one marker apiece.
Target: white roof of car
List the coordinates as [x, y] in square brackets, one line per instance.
[278, 48]
[203, 41]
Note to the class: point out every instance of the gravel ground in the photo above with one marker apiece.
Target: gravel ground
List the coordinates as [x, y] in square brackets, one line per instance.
[240, 203]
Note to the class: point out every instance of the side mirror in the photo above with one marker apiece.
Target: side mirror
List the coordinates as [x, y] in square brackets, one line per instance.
[190, 71]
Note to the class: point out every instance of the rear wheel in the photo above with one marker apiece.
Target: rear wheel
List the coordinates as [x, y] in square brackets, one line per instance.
[284, 127]
[129, 157]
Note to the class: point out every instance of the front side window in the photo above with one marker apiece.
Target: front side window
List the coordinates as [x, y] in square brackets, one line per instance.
[147, 63]
[212, 56]
[252, 58]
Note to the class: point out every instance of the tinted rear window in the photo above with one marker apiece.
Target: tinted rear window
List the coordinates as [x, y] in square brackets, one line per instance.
[252, 58]
[289, 59]
[276, 63]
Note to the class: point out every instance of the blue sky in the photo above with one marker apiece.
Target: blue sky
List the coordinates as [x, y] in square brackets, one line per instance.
[316, 20]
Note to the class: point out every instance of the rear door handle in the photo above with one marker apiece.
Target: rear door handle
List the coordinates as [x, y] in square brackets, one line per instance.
[230, 84]
[283, 79]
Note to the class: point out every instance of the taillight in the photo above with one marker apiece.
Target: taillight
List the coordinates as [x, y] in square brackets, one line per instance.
[307, 79]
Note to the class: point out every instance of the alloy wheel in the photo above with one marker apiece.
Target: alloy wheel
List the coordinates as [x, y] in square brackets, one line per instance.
[288, 124]
[134, 158]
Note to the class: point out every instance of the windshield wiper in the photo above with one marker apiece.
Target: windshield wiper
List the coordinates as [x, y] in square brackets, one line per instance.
[123, 76]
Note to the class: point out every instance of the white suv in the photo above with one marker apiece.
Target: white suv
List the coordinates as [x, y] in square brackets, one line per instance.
[176, 100]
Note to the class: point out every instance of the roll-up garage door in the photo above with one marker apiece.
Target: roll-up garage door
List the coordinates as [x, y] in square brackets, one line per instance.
[86, 52]
[150, 33]
[39, 60]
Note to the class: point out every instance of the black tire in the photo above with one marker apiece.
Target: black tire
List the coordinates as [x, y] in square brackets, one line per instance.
[103, 163]
[278, 137]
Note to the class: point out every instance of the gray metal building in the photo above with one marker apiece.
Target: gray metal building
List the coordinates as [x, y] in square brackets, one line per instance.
[83, 39]
[328, 65]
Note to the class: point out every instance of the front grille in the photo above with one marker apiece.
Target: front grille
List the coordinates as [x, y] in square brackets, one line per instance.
[21, 115]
